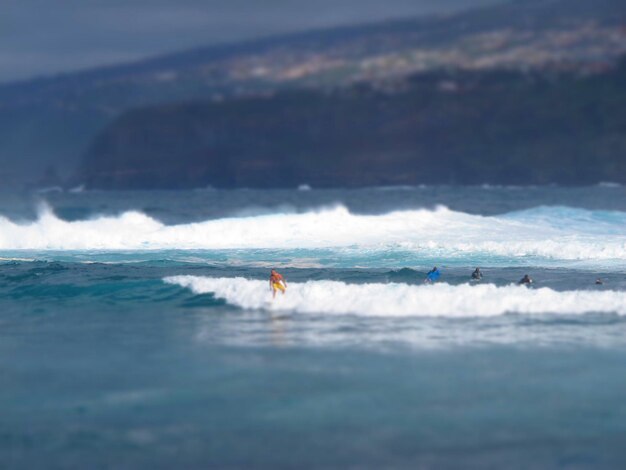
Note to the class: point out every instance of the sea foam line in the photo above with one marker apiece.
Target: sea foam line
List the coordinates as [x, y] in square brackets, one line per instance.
[400, 300]
[552, 233]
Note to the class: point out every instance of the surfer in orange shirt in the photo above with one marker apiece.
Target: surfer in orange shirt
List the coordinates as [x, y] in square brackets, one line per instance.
[277, 282]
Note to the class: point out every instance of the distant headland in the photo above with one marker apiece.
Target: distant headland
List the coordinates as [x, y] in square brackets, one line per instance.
[450, 127]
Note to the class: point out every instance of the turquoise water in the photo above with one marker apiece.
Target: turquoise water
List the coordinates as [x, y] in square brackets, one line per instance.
[137, 329]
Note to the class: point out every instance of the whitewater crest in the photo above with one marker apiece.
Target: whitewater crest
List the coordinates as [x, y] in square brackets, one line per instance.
[402, 300]
[547, 232]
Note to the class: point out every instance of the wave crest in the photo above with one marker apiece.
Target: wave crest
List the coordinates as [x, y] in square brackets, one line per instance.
[554, 233]
[396, 300]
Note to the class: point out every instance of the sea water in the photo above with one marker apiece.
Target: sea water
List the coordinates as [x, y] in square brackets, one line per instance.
[138, 330]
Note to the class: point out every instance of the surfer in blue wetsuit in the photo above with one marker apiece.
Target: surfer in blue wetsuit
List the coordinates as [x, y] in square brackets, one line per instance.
[432, 275]
[477, 275]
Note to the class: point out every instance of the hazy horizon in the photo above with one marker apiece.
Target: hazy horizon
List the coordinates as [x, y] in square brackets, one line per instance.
[38, 39]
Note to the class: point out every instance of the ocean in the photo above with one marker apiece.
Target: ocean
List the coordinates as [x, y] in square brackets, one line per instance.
[138, 331]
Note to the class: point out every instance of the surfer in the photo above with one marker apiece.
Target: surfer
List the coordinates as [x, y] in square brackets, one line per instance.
[477, 275]
[599, 282]
[526, 280]
[432, 275]
[277, 282]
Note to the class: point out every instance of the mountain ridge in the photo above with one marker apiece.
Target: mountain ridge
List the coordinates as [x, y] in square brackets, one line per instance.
[46, 125]
[455, 127]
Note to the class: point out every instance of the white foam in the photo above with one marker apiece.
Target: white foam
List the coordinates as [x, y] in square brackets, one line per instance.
[396, 300]
[555, 233]
[50, 189]
[77, 189]
[609, 184]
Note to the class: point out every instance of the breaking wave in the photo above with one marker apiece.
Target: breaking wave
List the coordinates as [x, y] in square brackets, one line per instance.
[559, 233]
[394, 300]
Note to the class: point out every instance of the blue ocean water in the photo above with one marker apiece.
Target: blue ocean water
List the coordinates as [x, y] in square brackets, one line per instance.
[137, 329]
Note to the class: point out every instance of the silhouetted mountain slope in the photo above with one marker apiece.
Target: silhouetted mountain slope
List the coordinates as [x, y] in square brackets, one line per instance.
[51, 121]
[459, 127]
[350, 42]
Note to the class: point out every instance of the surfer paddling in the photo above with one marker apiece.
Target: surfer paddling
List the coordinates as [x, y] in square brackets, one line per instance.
[432, 275]
[277, 282]
[525, 281]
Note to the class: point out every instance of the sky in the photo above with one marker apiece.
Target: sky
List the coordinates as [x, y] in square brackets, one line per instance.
[45, 37]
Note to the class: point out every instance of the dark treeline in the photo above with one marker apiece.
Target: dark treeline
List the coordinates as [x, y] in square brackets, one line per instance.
[453, 127]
